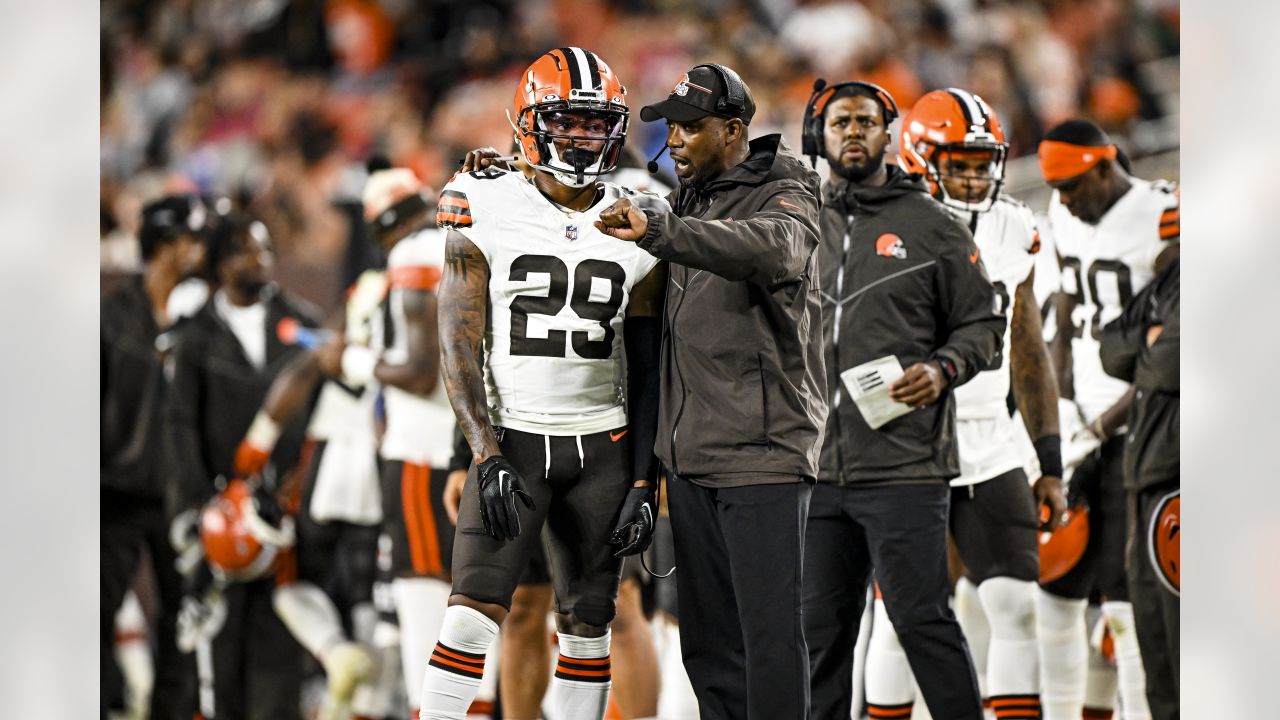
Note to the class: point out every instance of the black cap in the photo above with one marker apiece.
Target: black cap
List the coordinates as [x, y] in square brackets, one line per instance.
[700, 92]
[168, 218]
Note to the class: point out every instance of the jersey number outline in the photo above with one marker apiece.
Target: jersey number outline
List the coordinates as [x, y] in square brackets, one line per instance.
[1124, 288]
[553, 302]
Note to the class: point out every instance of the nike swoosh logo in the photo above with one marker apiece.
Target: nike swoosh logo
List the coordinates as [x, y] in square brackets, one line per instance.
[784, 203]
[617, 437]
[973, 257]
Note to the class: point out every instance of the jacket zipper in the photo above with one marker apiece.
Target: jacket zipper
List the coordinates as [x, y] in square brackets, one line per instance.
[835, 346]
[675, 363]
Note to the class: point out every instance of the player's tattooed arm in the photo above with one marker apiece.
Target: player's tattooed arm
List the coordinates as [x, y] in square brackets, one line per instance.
[464, 297]
[1034, 383]
[420, 373]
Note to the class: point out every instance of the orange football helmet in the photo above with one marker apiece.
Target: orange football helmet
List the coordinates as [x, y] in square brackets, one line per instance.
[1061, 549]
[238, 543]
[565, 80]
[953, 122]
[1164, 541]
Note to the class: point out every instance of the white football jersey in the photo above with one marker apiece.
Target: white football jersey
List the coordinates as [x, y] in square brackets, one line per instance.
[419, 429]
[990, 442]
[1008, 241]
[1103, 267]
[558, 291]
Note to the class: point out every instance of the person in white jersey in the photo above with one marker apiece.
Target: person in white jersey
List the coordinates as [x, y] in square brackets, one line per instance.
[1113, 233]
[532, 309]
[954, 139]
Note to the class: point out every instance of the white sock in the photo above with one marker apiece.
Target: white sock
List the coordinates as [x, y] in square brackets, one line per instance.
[582, 678]
[973, 623]
[1100, 688]
[1131, 674]
[1064, 648]
[456, 666]
[1013, 664]
[420, 609]
[310, 615]
[890, 685]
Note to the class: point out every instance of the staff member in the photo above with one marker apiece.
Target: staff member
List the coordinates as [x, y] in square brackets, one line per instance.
[1141, 347]
[742, 403]
[901, 277]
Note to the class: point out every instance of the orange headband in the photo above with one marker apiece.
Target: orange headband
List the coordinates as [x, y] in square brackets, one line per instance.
[1060, 160]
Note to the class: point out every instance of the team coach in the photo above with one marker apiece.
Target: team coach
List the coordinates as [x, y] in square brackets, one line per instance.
[743, 398]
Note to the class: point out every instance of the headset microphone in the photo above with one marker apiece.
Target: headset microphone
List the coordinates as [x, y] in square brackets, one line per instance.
[653, 164]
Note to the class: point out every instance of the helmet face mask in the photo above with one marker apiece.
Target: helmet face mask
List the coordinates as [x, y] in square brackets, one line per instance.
[571, 116]
[954, 139]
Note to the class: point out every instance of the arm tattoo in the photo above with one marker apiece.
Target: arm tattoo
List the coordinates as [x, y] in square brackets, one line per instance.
[464, 297]
[1034, 384]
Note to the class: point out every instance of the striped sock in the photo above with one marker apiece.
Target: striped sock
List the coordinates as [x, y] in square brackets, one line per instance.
[1008, 707]
[890, 712]
[456, 666]
[583, 677]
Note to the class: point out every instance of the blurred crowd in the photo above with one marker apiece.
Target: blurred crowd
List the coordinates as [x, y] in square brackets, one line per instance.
[278, 103]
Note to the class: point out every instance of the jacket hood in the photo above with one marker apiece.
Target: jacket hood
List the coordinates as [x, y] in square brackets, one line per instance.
[769, 159]
[846, 195]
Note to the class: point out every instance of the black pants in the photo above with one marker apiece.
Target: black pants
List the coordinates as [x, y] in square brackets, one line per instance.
[1155, 612]
[901, 531]
[129, 524]
[740, 554]
[257, 663]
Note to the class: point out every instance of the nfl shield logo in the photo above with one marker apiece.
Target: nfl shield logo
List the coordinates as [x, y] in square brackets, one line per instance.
[571, 233]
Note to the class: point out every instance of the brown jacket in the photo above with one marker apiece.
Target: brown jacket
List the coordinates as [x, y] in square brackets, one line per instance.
[743, 383]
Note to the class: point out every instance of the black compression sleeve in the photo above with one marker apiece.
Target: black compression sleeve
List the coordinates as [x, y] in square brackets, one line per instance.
[643, 338]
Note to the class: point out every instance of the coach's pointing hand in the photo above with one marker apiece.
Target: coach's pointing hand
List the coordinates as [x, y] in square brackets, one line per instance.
[623, 220]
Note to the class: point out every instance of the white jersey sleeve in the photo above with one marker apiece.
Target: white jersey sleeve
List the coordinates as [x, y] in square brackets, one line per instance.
[1103, 267]
[558, 292]
[419, 429]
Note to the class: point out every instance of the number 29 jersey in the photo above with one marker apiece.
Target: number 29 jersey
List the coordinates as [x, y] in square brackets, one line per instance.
[1103, 267]
[558, 291]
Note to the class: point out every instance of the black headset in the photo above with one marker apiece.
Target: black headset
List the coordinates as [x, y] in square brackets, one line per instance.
[811, 133]
[734, 101]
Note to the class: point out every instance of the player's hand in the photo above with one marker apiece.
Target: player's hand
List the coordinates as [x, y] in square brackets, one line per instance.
[329, 357]
[499, 485]
[453, 494]
[623, 220]
[250, 459]
[1048, 492]
[920, 384]
[481, 158]
[634, 529]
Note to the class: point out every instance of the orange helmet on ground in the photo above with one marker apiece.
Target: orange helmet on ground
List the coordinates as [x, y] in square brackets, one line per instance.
[566, 80]
[1164, 541]
[238, 543]
[953, 123]
[1062, 549]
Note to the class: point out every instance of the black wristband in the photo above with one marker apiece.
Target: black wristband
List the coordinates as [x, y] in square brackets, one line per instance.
[1049, 452]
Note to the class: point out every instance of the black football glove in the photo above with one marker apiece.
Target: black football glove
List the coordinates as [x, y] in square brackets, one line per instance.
[634, 529]
[499, 486]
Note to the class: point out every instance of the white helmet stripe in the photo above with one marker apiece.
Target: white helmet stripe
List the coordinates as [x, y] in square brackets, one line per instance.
[972, 108]
[584, 71]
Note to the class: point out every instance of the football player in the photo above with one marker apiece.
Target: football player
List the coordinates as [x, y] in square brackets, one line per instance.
[1113, 233]
[532, 308]
[954, 139]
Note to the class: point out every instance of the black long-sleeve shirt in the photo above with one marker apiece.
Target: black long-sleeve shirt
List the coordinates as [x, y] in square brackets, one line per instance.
[1153, 443]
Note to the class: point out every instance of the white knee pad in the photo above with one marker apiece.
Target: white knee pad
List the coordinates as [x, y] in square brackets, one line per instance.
[889, 679]
[1013, 662]
[974, 625]
[1064, 646]
[420, 607]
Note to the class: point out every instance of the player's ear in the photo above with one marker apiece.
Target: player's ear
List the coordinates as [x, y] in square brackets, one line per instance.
[733, 130]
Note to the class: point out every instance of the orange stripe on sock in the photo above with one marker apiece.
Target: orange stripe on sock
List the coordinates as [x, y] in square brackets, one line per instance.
[585, 661]
[478, 664]
[880, 712]
[583, 673]
[446, 661]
